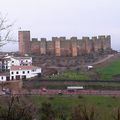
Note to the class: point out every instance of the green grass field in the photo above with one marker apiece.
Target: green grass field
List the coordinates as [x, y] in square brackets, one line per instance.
[102, 72]
[104, 106]
[107, 72]
[70, 75]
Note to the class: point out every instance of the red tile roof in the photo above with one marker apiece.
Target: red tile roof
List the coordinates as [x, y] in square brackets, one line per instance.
[23, 67]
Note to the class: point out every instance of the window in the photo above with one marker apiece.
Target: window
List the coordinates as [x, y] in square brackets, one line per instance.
[17, 77]
[17, 72]
[39, 74]
[23, 72]
[23, 77]
[33, 70]
[28, 71]
[2, 78]
[12, 72]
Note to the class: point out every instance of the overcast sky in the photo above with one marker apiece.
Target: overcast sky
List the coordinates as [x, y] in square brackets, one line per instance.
[48, 18]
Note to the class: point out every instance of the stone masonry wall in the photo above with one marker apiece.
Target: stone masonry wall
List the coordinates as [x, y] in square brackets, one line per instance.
[62, 46]
[35, 46]
[24, 42]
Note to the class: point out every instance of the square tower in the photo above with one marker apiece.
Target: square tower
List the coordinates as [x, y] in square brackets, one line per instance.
[24, 42]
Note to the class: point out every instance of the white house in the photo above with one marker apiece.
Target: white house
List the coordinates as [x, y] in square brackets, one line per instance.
[18, 67]
[20, 61]
[16, 61]
[24, 72]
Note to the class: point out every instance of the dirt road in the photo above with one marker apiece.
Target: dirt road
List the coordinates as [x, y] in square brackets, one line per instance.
[103, 60]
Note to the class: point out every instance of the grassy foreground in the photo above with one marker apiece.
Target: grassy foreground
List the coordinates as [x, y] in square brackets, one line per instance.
[104, 106]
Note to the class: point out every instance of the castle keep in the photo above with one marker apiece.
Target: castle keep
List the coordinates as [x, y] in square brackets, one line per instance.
[62, 46]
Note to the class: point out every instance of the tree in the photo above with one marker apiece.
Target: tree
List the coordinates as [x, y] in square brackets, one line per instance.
[60, 113]
[5, 30]
[16, 108]
[46, 112]
[116, 115]
[83, 113]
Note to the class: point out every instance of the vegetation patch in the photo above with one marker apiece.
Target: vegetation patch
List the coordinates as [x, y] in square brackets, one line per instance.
[70, 75]
[103, 106]
[69, 107]
[107, 72]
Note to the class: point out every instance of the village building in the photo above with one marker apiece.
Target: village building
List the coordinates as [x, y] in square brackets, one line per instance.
[20, 72]
[17, 68]
[9, 61]
[24, 72]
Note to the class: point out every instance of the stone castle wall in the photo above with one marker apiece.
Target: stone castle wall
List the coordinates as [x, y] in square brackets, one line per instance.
[62, 46]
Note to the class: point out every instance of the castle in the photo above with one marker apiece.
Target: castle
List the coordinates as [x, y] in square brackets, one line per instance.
[62, 46]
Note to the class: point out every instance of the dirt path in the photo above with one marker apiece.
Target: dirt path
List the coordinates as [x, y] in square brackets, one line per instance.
[103, 60]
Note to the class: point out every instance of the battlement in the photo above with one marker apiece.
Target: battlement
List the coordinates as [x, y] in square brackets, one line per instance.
[100, 37]
[60, 46]
[34, 40]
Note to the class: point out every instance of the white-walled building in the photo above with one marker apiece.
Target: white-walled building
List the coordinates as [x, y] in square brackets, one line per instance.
[24, 72]
[21, 61]
[18, 68]
[16, 61]
[20, 72]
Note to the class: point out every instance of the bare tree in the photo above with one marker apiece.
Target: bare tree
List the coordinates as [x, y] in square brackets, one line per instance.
[116, 115]
[16, 108]
[83, 113]
[5, 30]
[46, 112]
